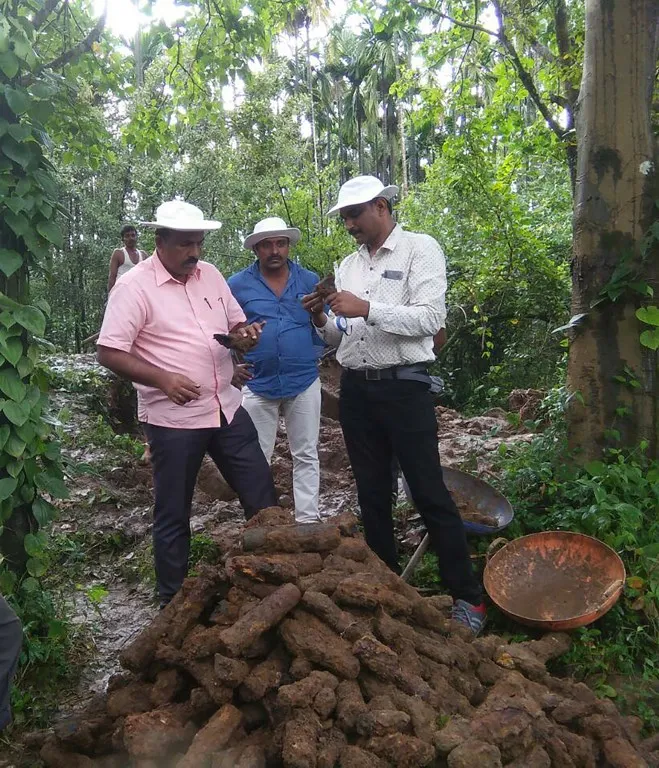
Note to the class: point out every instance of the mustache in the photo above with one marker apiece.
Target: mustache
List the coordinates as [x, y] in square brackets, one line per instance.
[191, 260]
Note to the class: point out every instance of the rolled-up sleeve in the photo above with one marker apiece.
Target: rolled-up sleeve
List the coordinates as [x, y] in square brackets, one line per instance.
[425, 313]
[125, 316]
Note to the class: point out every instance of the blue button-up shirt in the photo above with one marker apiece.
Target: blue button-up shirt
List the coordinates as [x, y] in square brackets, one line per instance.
[285, 361]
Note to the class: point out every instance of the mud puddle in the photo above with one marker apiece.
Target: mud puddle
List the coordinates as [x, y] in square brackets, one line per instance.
[113, 619]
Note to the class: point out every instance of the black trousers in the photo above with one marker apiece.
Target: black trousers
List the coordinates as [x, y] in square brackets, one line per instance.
[395, 418]
[11, 638]
[176, 456]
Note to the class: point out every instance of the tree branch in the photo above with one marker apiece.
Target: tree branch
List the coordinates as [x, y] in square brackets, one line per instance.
[71, 54]
[524, 76]
[463, 24]
[283, 197]
[562, 35]
[542, 50]
[179, 65]
[40, 17]
[468, 46]
[565, 51]
[203, 31]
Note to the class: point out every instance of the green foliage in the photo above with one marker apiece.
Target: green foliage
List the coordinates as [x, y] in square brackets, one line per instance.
[97, 433]
[111, 399]
[507, 244]
[33, 100]
[649, 316]
[203, 550]
[50, 646]
[495, 193]
[31, 475]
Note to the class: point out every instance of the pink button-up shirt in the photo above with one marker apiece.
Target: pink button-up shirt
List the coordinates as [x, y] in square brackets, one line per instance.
[171, 325]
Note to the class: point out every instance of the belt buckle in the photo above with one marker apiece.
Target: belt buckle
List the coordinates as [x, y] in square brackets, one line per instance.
[372, 374]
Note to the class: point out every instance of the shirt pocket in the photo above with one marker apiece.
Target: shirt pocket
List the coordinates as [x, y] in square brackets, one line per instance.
[392, 287]
[293, 309]
[214, 314]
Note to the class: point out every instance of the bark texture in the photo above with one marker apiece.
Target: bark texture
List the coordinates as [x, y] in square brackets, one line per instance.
[615, 193]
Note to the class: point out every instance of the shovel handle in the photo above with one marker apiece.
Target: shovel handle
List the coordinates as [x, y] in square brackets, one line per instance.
[90, 339]
[416, 557]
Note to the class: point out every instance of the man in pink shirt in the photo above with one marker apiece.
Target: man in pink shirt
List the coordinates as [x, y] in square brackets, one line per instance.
[158, 332]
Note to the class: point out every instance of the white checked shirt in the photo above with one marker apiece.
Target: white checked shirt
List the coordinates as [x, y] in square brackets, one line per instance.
[405, 283]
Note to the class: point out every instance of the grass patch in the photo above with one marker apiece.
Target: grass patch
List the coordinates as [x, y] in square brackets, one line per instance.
[98, 433]
[54, 649]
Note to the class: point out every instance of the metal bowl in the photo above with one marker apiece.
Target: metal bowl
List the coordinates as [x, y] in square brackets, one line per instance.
[482, 497]
[555, 580]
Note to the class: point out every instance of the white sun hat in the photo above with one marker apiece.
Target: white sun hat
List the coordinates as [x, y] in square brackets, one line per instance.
[181, 216]
[362, 189]
[271, 227]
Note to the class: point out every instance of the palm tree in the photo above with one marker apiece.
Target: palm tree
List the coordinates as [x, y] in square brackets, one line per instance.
[359, 109]
[370, 63]
[145, 48]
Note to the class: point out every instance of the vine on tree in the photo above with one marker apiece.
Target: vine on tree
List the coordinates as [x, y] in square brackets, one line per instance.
[31, 473]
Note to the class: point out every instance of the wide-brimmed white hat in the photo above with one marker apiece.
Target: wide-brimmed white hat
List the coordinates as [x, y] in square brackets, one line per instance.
[271, 227]
[362, 189]
[181, 216]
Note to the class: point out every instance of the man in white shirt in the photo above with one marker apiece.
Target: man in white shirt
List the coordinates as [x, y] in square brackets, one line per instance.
[388, 307]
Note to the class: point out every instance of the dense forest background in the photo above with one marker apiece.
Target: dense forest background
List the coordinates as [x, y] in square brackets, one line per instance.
[258, 114]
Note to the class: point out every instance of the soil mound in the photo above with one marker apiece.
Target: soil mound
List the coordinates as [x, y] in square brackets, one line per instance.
[305, 651]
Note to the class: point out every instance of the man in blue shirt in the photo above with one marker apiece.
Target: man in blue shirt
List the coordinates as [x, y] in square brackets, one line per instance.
[283, 375]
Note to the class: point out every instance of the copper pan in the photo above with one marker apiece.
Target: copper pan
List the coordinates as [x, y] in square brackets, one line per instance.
[555, 580]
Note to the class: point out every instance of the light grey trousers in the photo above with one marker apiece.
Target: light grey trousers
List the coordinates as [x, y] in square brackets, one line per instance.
[302, 418]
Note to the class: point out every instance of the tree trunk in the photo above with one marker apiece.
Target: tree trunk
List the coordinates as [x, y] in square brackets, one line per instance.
[564, 43]
[360, 146]
[139, 62]
[312, 114]
[341, 149]
[615, 192]
[403, 150]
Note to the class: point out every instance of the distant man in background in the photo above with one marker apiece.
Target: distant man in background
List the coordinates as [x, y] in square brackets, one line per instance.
[121, 262]
[124, 259]
[158, 332]
[283, 368]
[390, 294]
[11, 639]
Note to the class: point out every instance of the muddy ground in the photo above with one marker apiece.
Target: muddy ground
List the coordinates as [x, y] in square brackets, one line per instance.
[109, 511]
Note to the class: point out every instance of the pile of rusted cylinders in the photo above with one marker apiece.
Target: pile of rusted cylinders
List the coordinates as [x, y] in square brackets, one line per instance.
[305, 651]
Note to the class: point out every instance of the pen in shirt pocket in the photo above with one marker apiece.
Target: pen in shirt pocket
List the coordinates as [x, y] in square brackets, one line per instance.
[220, 299]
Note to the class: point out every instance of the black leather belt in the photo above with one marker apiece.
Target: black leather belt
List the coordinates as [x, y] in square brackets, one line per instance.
[415, 372]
